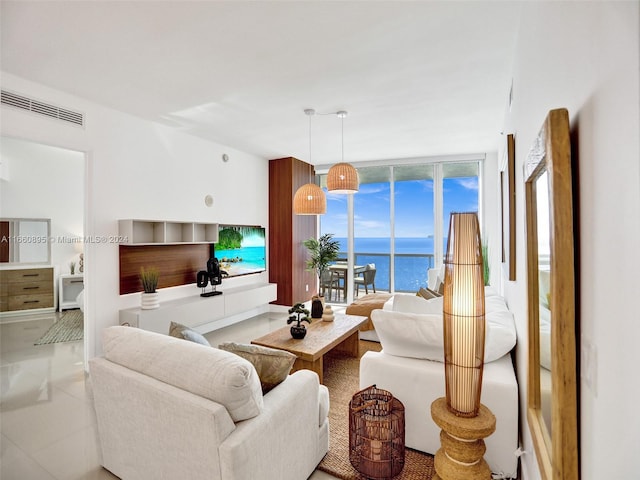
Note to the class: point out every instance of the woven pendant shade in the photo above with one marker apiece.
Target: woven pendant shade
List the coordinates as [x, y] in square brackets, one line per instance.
[342, 178]
[309, 200]
[463, 311]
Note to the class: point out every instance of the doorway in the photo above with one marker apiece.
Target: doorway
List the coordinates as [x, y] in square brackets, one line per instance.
[39, 181]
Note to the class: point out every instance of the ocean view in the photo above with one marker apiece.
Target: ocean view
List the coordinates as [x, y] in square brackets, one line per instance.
[410, 268]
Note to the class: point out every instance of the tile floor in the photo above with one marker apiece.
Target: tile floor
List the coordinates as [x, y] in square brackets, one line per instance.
[47, 423]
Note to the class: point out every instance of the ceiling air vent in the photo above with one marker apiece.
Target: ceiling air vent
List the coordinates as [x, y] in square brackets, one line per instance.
[41, 108]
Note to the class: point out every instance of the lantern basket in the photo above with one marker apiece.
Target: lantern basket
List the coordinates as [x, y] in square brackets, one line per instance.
[376, 433]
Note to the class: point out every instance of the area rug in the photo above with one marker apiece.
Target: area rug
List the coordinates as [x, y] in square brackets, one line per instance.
[69, 328]
[341, 376]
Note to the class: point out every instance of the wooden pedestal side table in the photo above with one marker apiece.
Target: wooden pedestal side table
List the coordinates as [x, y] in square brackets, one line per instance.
[462, 444]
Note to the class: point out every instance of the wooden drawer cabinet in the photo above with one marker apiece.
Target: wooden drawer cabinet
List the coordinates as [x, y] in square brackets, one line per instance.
[26, 289]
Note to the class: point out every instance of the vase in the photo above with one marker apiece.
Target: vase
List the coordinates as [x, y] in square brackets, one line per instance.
[149, 301]
[298, 332]
[328, 315]
[317, 307]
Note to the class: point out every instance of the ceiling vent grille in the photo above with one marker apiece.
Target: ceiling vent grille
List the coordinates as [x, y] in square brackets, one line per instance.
[41, 108]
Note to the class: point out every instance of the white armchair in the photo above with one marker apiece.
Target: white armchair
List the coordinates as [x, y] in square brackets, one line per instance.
[169, 408]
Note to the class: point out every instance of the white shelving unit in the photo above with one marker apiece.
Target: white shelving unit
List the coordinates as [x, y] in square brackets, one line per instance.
[204, 314]
[68, 289]
[149, 232]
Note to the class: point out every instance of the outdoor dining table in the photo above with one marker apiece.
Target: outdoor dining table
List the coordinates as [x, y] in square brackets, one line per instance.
[340, 270]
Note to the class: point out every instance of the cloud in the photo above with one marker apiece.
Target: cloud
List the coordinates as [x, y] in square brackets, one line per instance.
[468, 183]
[371, 188]
[336, 197]
[371, 224]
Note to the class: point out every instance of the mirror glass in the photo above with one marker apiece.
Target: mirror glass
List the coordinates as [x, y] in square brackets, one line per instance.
[544, 294]
[25, 240]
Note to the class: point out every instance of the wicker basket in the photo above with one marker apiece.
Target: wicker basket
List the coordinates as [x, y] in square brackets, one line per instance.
[376, 433]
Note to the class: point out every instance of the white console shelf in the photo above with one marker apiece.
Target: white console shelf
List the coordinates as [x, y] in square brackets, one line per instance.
[149, 232]
[203, 314]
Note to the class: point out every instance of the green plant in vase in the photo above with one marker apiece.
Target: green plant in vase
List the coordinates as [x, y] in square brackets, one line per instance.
[298, 331]
[323, 251]
[149, 279]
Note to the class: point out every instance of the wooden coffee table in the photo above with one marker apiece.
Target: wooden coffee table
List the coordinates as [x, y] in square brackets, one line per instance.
[341, 335]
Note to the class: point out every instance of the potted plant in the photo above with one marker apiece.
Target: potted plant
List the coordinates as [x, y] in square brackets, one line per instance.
[323, 251]
[298, 330]
[486, 269]
[149, 279]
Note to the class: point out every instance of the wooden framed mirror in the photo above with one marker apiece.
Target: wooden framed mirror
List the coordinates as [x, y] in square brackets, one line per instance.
[25, 241]
[552, 390]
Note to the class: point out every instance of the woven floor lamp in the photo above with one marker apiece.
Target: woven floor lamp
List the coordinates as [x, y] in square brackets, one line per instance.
[463, 420]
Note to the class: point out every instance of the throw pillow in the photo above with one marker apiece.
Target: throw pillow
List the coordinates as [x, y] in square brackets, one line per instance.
[410, 334]
[428, 294]
[418, 334]
[180, 331]
[414, 304]
[272, 365]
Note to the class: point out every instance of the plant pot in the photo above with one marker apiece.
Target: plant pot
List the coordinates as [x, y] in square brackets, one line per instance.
[298, 332]
[149, 301]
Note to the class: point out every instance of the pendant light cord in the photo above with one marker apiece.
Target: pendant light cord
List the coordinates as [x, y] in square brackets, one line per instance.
[310, 139]
[342, 123]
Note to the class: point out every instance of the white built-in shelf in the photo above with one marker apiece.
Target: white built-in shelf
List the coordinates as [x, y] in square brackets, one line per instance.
[135, 232]
[204, 314]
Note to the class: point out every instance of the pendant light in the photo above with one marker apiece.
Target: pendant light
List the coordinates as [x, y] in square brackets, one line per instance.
[309, 199]
[342, 177]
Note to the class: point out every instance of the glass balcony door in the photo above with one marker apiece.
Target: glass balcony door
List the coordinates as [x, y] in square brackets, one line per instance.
[398, 217]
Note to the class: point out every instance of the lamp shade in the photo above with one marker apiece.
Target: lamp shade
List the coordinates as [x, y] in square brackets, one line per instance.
[342, 178]
[463, 315]
[309, 200]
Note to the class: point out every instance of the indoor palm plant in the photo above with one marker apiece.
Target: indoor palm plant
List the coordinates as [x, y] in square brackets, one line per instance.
[323, 251]
[149, 279]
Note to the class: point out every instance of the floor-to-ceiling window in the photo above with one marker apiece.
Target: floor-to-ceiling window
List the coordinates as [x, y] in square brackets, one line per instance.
[413, 226]
[459, 191]
[401, 216]
[372, 223]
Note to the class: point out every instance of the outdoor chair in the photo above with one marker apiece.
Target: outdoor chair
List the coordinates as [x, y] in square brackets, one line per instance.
[368, 278]
[329, 281]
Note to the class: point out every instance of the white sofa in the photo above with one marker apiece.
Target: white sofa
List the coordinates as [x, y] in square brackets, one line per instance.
[411, 367]
[168, 408]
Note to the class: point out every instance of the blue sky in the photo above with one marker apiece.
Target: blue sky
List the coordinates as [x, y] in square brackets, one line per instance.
[413, 202]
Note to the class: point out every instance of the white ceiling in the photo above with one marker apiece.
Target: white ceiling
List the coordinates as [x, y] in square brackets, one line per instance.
[418, 78]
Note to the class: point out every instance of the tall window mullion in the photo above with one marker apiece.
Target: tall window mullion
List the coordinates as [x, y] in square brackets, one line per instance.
[392, 216]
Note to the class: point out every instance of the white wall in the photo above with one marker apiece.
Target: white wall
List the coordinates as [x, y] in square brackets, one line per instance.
[139, 169]
[45, 182]
[584, 56]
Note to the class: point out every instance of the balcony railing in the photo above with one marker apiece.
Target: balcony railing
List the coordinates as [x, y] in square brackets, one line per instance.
[410, 269]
